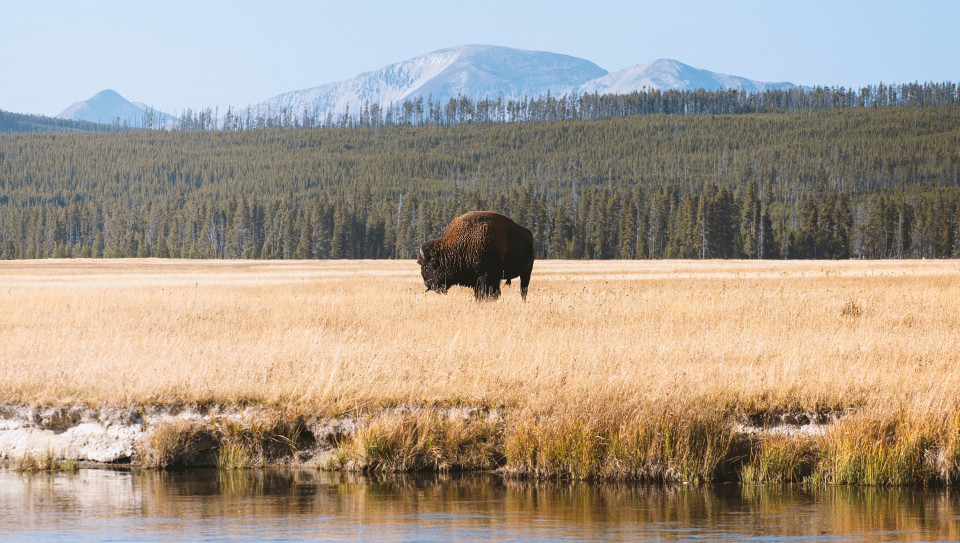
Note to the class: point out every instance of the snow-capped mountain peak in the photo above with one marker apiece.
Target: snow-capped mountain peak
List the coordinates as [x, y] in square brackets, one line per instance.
[474, 71]
[665, 73]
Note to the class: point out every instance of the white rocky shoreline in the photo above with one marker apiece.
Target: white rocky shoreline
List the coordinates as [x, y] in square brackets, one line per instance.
[114, 436]
[102, 436]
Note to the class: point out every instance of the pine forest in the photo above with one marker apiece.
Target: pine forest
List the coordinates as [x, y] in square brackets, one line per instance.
[823, 173]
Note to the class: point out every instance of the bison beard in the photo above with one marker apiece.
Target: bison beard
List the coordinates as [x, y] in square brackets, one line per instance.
[477, 250]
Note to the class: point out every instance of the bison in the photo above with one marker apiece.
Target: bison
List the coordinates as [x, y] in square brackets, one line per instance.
[477, 250]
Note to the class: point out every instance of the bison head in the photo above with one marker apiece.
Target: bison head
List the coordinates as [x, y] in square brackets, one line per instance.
[430, 268]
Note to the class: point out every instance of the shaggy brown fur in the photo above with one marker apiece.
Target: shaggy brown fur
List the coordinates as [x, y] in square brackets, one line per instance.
[477, 250]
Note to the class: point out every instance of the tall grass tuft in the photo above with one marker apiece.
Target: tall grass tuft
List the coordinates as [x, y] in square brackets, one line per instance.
[174, 442]
[251, 441]
[234, 456]
[46, 461]
[422, 439]
[945, 459]
[876, 449]
[666, 446]
[779, 460]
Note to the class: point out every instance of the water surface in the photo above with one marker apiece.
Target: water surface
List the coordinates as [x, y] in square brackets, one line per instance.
[291, 505]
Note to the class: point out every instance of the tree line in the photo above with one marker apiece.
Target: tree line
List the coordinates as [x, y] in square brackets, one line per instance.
[838, 183]
[600, 224]
[422, 110]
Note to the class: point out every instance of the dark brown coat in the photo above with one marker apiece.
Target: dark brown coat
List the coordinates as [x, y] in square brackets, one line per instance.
[477, 250]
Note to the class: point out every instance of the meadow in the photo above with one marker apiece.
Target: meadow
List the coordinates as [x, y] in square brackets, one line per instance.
[610, 369]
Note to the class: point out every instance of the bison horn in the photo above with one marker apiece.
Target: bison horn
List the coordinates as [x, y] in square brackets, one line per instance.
[421, 254]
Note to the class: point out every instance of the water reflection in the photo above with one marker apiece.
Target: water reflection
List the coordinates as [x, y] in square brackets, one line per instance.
[304, 504]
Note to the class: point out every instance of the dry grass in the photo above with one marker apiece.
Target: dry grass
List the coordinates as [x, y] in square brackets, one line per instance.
[348, 335]
[597, 346]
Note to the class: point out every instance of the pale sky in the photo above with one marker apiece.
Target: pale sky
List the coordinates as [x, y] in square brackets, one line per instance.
[175, 54]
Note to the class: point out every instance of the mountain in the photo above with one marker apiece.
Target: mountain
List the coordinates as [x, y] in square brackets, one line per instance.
[665, 73]
[488, 71]
[474, 71]
[108, 106]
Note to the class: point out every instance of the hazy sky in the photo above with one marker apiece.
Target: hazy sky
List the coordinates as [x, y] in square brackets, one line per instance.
[175, 54]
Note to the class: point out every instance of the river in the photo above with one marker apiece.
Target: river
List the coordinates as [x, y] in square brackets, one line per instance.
[293, 505]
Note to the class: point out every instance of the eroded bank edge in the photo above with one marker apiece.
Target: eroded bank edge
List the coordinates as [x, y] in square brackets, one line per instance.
[820, 447]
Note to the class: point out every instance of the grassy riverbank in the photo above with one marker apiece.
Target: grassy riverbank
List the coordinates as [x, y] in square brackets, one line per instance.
[621, 370]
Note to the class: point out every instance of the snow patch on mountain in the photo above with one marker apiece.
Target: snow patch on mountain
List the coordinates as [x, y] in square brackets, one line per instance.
[384, 86]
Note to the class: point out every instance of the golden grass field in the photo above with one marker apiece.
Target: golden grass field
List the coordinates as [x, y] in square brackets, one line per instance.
[596, 346]
[760, 335]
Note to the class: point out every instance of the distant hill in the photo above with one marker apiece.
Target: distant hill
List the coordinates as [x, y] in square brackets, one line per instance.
[108, 107]
[19, 122]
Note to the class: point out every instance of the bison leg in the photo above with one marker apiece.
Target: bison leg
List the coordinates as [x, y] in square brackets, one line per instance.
[488, 287]
[525, 282]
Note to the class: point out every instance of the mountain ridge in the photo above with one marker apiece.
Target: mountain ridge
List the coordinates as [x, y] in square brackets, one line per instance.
[490, 71]
[474, 71]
